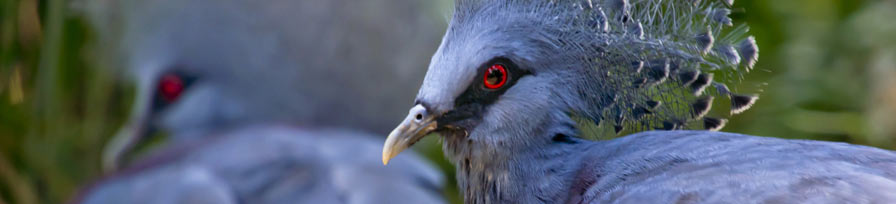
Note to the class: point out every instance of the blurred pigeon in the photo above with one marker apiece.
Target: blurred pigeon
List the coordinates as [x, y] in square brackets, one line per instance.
[264, 101]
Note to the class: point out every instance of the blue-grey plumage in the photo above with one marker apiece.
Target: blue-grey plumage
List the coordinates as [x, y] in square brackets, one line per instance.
[213, 73]
[273, 164]
[713, 167]
[244, 62]
[515, 83]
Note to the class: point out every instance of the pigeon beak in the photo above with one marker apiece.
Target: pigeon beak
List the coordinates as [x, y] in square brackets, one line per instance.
[415, 126]
[135, 131]
[122, 143]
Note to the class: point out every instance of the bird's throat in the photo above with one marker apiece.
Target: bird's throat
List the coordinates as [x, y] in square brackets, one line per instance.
[486, 174]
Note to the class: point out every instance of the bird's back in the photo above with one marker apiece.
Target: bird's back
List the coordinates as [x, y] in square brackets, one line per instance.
[274, 164]
[322, 63]
[714, 167]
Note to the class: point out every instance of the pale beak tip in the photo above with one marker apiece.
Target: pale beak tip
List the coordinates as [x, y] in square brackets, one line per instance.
[388, 153]
[386, 158]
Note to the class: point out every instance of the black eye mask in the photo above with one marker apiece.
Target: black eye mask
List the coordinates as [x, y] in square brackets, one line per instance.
[493, 78]
[169, 88]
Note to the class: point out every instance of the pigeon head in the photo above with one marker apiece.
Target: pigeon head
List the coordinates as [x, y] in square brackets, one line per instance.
[522, 77]
[202, 66]
[489, 72]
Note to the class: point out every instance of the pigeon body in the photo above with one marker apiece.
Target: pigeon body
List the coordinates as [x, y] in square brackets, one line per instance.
[686, 167]
[273, 164]
[714, 167]
[518, 87]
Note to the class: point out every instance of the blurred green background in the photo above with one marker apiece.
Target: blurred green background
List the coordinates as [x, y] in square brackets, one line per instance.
[827, 71]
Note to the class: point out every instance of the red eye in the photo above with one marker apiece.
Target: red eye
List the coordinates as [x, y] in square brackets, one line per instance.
[495, 77]
[170, 87]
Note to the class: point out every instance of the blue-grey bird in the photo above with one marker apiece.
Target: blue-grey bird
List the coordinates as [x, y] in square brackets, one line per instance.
[271, 163]
[517, 86]
[272, 101]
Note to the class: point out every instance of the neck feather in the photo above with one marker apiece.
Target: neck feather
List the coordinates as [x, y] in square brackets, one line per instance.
[486, 174]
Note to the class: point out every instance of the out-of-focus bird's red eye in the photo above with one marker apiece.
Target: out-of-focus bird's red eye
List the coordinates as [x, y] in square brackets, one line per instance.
[170, 87]
[495, 76]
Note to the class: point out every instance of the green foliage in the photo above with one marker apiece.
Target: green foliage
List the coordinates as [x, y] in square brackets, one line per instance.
[56, 108]
[819, 80]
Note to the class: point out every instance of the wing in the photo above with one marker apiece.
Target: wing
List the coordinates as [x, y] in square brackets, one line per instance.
[712, 167]
[411, 180]
[283, 164]
[182, 184]
[278, 164]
